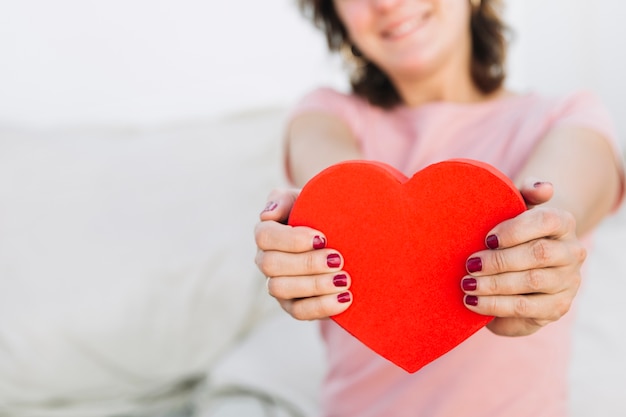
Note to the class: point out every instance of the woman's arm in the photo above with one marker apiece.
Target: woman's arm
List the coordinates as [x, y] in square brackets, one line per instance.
[316, 141]
[533, 275]
[581, 166]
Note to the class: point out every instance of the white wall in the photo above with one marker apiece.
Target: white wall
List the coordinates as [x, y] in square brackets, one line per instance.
[146, 61]
[562, 45]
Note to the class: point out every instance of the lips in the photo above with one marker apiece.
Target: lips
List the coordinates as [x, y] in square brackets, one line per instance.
[405, 26]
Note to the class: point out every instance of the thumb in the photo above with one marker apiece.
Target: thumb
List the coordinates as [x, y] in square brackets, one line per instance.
[279, 205]
[536, 192]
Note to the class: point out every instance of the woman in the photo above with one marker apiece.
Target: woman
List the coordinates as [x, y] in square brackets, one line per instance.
[428, 86]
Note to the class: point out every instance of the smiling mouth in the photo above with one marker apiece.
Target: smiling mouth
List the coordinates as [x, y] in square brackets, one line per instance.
[405, 28]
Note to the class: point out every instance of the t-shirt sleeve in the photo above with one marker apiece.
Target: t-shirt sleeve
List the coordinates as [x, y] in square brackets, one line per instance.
[326, 100]
[584, 109]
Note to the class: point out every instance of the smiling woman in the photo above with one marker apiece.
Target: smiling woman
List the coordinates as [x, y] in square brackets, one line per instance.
[125, 248]
[407, 41]
[418, 98]
[410, 36]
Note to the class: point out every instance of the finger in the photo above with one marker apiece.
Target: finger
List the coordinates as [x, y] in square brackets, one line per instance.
[541, 280]
[279, 205]
[509, 326]
[271, 235]
[540, 253]
[277, 264]
[538, 307]
[308, 286]
[530, 225]
[536, 191]
[317, 307]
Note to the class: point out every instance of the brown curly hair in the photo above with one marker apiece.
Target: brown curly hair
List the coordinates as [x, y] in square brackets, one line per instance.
[489, 44]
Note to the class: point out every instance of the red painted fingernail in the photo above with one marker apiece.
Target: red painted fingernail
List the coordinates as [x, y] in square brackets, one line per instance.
[471, 300]
[270, 206]
[469, 284]
[492, 242]
[340, 280]
[319, 242]
[333, 260]
[344, 297]
[474, 265]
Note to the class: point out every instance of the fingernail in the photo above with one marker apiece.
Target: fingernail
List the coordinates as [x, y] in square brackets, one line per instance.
[333, 260]
[469, 284]
[340, 280]
[492, 242]
[471, 300]
[540, 183]
[319, 242]
[344, 297]
[474, 265]
[270, 206]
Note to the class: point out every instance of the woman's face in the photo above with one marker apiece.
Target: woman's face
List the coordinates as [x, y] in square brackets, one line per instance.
[409, 38]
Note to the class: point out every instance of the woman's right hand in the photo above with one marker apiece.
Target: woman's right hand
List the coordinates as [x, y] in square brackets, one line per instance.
[303, 274]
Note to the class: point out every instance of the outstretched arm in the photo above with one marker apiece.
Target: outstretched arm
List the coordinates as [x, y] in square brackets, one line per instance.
[316, 141]
[532, 276]
[583, 168]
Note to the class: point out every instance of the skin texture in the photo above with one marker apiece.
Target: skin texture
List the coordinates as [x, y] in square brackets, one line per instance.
[570, 182]
[423, 46]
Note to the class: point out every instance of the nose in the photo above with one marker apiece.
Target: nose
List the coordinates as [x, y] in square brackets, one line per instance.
[385, 5]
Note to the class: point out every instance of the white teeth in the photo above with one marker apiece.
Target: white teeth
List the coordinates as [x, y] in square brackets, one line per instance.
[403, 29]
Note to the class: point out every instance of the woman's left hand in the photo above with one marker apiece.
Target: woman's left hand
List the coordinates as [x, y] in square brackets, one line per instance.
[531, 274]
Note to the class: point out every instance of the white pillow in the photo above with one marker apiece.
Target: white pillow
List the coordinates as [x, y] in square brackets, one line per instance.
[126, 258]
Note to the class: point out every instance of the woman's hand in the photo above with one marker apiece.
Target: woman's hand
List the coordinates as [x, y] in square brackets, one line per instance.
[531, 275]
[302, 274]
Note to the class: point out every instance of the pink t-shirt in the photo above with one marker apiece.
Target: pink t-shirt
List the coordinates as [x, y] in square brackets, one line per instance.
[487, 375]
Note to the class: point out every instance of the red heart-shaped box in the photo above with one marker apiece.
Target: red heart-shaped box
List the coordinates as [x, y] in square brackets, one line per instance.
[405, 243]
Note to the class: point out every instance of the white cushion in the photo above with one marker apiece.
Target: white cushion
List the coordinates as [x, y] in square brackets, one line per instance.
[127, 257]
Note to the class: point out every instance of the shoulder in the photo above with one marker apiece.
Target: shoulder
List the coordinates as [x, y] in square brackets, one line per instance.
[346, 108]
[585, 98]
[581, 108]
[584, 109]
[329, 100]
[581, 105]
